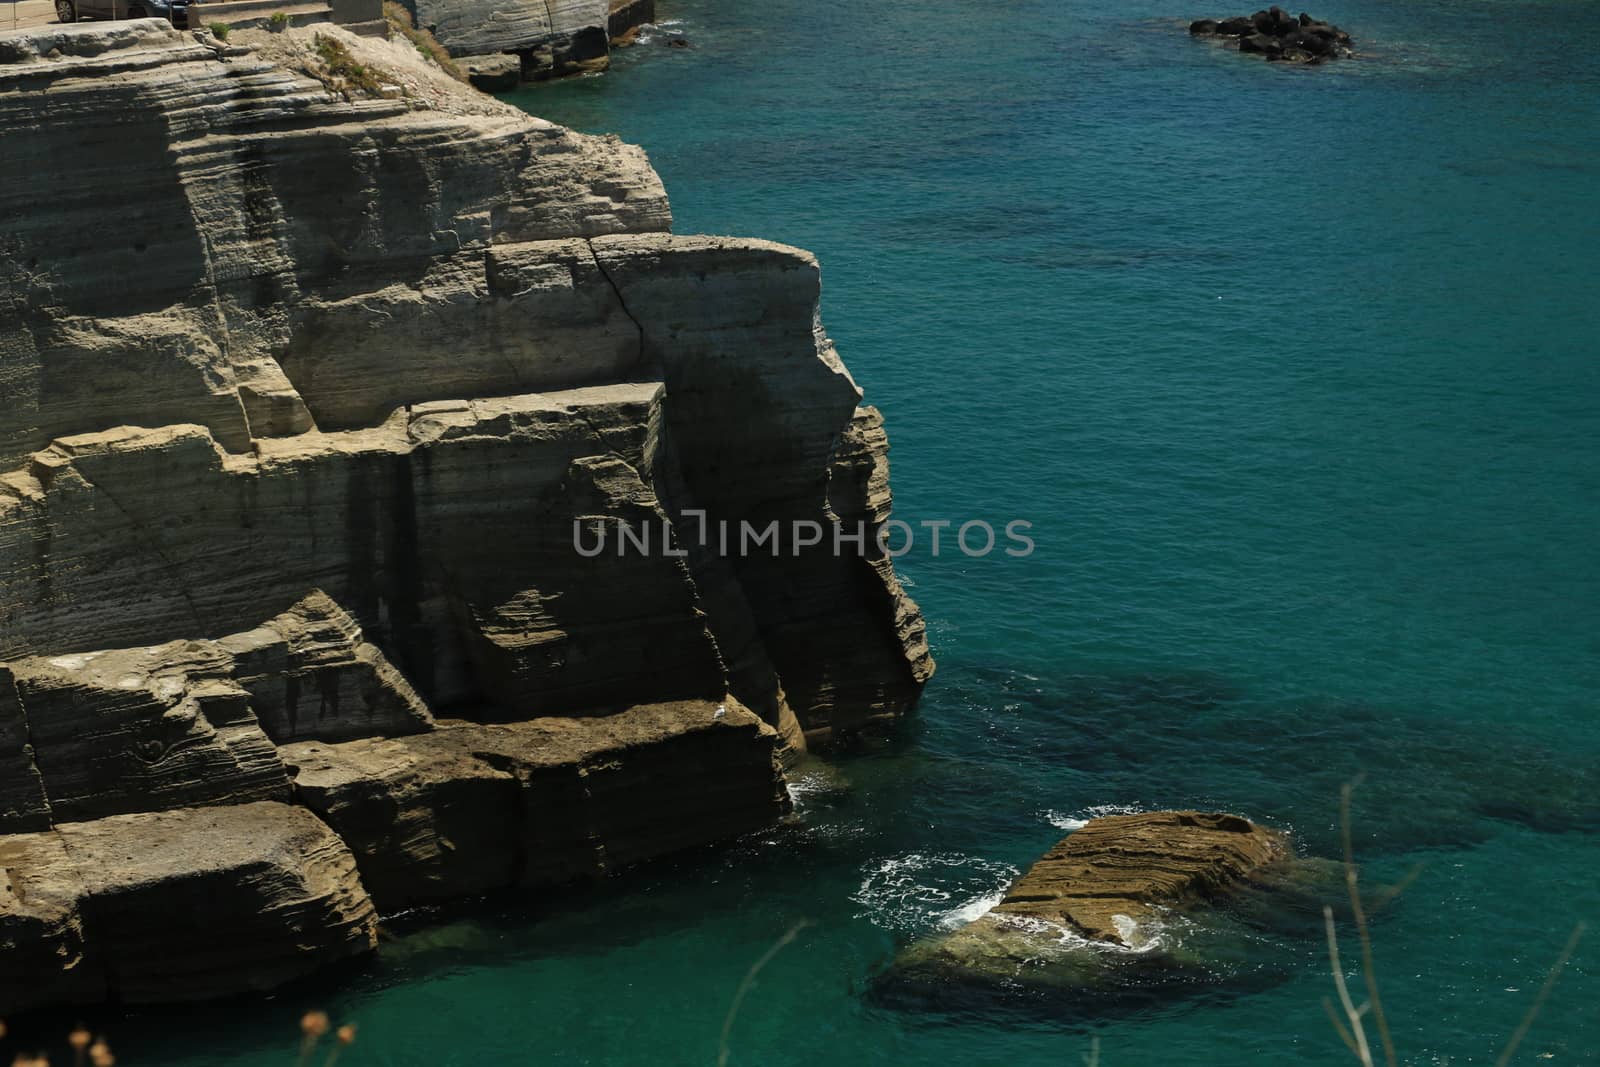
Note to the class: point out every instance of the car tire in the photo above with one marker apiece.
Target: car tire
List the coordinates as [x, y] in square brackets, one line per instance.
[65, 11]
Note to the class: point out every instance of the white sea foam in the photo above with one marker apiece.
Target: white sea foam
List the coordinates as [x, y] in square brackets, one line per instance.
[972, 910]
[918, 890]
[650, 32]
[1077, 821]
[1100, 811]
[810, 785]
[1138, 938]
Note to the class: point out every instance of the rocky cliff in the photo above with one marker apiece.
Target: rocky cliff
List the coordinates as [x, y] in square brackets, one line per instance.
[552, 37]
[304, 400]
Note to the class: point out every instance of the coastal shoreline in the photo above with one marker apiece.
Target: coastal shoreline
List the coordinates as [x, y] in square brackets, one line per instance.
[295, 625]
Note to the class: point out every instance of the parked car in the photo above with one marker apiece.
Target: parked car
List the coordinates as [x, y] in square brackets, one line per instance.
[174, 11]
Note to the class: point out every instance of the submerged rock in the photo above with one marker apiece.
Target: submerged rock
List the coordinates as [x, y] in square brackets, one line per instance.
[1106, 904]
[1278, 35]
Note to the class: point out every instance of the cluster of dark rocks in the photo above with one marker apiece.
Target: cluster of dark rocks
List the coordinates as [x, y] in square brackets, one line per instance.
[1279, 36]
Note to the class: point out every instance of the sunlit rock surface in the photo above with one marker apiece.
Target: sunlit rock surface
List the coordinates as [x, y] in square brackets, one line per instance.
[298, 431]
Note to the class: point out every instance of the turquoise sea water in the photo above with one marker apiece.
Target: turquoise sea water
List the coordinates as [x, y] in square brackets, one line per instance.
[1295, 374]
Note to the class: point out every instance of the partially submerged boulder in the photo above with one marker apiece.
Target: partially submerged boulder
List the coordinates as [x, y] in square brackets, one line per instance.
[1278, 35]
[1104, 901]
[1106, 880]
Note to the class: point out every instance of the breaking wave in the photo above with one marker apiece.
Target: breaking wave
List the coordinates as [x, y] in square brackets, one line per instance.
[1078, 820]
[918, 891]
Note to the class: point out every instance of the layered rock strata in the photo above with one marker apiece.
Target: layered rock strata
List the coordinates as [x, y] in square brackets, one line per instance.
[299, 432]
[552, 38]
[1103, 881]
[469, 809]
[178, 905]
[190, 722]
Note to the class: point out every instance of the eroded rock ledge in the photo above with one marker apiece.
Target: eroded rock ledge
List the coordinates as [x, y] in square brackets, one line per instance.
[295, 431]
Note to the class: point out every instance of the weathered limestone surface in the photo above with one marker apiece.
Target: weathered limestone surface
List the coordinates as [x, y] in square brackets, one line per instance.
[554, 37]
[161, 887]
[768, 440]
[144, 730]
[428, 817]
[22, 804]
[468, 808]
[1097, 903]
[311, 673]
[304, 404]
[42, 927]
[192, 722]
[1118, 869]
[248, 208]
[498, 73]
[183, 905]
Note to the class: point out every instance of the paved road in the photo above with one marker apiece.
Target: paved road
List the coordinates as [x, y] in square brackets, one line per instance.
[26, 13]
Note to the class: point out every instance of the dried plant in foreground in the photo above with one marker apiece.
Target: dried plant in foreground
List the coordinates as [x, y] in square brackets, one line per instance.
[725, 1049]
[1352, 1026]
[314, 1026]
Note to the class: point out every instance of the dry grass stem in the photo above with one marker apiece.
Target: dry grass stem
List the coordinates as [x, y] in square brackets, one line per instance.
[1357, 1031]
[1368, 971]
[1543, 995]
[725, 1050]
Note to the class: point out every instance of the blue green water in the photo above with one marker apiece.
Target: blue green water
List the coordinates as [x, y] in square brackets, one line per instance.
[1295, 373]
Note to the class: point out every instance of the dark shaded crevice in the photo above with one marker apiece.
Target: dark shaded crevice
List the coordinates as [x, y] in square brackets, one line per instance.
[93, 925]
[403, 571]
[749, 671]
[509, 766]
[622, 303]
[600, 439]
[9, 680]
[224, 334]
[296, 800]
[550, 27]
[488, 280]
